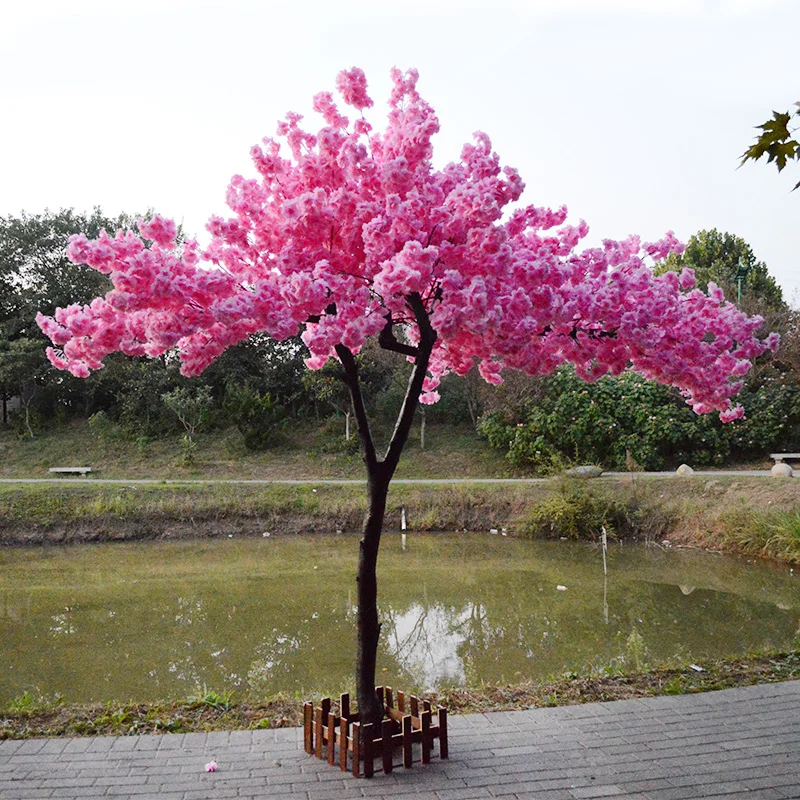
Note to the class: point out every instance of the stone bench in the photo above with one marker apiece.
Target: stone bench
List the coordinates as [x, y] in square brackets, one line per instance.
[70, 470]
[780, 469]
[779, 458]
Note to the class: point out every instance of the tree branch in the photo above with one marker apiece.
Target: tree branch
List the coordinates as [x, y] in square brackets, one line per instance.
[362, 422]
[330, 309]
[427, 339]
[387, 340]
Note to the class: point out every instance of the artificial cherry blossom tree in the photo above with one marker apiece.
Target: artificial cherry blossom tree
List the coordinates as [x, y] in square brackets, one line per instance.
[349, 233]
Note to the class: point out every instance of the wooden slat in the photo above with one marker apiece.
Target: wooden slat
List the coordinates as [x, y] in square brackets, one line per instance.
[367, 746]
[442, 713]
[386, 745]
[356, 735]
[397, 716]
[318, 732]
[408, 750]
[325, 705]
[425, 719]
[308, 727]
[331, 738]
[414, 706]
[412, 720]
[343, 725]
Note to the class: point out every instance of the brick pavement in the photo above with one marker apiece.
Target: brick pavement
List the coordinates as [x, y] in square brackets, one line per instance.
[727, 745]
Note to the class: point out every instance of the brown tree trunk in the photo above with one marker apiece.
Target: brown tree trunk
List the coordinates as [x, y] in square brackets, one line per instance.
[369, 628]
[379, 476]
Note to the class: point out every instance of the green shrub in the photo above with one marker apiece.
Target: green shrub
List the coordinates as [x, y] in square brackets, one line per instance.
[103, 428]
[332, 437]
[626, 422]
[257, 416]
[577, 511]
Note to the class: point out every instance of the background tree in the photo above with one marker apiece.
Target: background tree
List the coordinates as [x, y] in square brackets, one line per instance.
[717, 257]
[191, 406]
[349, 235]
[777, 141]
[36, 275]
[266, 367]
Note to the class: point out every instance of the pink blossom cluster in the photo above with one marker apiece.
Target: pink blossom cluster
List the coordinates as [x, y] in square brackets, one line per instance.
[342, 227]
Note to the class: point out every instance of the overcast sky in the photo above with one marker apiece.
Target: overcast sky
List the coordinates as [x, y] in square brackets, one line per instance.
[633, 114]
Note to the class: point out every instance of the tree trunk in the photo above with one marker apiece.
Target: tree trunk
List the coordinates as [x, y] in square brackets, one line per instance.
[379, 476]
[347, 425]
[369, 628]
[28, 421]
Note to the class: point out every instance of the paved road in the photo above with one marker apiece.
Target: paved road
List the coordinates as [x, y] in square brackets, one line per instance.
[735, 744]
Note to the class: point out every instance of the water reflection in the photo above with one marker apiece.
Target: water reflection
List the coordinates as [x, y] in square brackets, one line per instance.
[426, 642]
[157, 620]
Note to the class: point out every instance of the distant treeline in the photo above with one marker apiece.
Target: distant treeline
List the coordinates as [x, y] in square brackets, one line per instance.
[540, 423]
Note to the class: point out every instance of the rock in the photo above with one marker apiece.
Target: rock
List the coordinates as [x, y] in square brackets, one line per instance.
[781, 470]
[684, 470]
[587, 471]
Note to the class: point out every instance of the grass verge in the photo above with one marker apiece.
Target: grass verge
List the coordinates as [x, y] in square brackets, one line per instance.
[27, 717]
[773, 534]
[748, 516]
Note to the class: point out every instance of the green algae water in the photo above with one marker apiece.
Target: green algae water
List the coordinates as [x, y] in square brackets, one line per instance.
[153, 621]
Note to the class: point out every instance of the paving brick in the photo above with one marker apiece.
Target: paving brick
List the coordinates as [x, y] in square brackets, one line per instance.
[587, 792]
[66, 783]
[722, 746]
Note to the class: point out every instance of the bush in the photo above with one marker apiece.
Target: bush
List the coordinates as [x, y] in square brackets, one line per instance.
[579, 512]
[628, 422]
[105, 429]
[332, 437]
[257, 417]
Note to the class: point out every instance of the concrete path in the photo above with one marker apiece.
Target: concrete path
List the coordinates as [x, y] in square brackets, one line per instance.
[731, 745]
[742, 473]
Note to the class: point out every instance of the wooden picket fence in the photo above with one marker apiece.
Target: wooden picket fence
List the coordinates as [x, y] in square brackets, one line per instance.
[405, 724]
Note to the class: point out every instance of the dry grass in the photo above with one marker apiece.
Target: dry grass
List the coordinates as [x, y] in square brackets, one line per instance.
[302, 451]
[28, 718]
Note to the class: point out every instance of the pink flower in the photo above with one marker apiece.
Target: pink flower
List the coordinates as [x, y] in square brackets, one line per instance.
[352, 85]
[730, 414]
[161, 231]
[344, 228]
[211, 766]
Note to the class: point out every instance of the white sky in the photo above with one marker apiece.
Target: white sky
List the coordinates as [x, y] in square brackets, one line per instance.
[633, 114]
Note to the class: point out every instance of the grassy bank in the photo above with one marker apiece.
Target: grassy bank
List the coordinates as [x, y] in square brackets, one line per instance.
[51, 513]
[300, 451]
[27, 717]
[749, 516]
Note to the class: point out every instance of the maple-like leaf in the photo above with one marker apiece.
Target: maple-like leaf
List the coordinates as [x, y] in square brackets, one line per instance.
[775, 142]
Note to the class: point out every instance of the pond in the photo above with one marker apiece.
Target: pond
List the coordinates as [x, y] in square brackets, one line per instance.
[157, 620]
